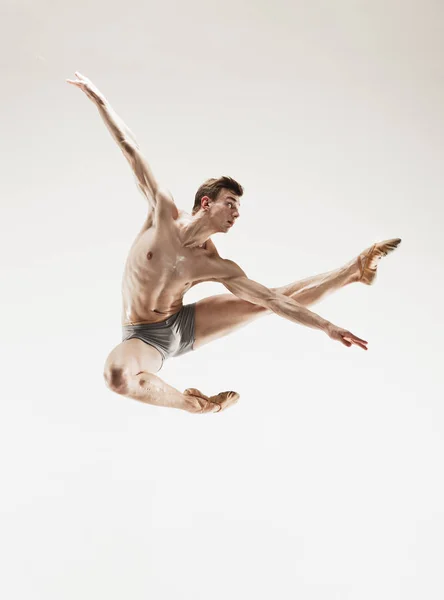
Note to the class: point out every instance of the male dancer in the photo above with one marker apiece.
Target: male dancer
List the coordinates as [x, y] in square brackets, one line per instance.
[173, 252]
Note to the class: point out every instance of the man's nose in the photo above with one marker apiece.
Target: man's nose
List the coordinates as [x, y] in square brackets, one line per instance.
[235, 214]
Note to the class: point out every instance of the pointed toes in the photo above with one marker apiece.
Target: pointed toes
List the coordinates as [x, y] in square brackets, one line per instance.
[226, 399]
[390, 245]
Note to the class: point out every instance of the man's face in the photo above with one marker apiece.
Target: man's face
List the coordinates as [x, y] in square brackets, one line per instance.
[224, 210]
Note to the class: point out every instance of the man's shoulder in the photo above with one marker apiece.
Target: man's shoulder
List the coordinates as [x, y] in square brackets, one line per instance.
[164, 212]
[227, 269]
[165, 204]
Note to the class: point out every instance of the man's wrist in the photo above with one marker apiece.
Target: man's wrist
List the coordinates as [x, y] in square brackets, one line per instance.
[99, 99]
[328, 327]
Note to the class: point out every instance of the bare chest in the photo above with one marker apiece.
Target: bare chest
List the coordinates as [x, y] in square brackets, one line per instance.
[159, 260]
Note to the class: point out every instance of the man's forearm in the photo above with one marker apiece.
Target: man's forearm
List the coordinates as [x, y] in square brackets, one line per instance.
[125, 139]
[241, 286]
[120, 132]
[290, 309]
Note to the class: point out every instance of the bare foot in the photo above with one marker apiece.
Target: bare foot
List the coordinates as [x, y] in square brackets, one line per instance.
[368, 260]
[203, 403]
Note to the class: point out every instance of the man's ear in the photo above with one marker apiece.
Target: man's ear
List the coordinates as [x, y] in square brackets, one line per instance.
[205, 202]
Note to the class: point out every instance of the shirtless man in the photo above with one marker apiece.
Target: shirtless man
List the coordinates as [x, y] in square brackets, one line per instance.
[173, 252]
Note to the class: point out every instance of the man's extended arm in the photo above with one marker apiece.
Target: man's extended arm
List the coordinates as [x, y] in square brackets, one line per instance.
[126, 141]
[241, 286]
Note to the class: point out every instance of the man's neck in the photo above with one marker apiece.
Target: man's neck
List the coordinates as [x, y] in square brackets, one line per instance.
[197, 231]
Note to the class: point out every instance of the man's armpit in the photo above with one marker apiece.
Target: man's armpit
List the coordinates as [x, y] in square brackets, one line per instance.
[230, 269]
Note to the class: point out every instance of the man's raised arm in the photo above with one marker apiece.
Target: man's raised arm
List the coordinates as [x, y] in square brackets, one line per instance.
[126, 141]
[241, 286]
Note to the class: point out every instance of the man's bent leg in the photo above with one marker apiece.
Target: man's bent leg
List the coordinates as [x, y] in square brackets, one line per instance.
[129, 371]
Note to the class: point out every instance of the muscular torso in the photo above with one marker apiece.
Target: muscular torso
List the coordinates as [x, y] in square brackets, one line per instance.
[159, 270]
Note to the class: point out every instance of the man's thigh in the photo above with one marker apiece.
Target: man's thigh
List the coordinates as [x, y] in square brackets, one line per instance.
[218, 316]
[135, 356]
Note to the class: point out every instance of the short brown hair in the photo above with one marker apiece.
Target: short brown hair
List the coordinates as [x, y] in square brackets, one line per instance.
[212, 187]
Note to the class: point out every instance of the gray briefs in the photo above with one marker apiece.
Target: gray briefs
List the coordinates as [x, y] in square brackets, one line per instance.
[172, 337]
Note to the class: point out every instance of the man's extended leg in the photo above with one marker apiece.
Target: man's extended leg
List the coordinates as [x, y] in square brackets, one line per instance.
[218, 316]
[129, 371]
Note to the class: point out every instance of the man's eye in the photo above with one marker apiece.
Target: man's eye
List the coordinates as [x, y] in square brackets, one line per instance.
[230, 205]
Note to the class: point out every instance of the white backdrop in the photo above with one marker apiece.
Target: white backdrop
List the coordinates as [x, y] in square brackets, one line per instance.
[325, 480]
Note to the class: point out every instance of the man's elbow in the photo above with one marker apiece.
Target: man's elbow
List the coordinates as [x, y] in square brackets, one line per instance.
[162, 196]
[128, 147]
[265, 298]
[273, 302]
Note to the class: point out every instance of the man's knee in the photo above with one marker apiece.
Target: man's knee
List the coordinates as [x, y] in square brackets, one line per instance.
[117, 378]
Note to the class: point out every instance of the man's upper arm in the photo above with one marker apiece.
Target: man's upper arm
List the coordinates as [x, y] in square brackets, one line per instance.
[159, 199]
[237, 282]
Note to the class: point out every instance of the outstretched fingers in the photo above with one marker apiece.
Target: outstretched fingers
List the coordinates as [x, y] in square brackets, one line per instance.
[81, 81]
[349, 339]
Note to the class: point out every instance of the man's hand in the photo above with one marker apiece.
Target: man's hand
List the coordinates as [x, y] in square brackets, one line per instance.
[88, 87]
[345, 337]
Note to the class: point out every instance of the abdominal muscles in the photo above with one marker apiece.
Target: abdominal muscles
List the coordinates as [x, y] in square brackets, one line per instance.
[154, 282]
